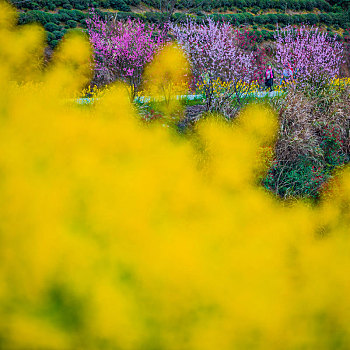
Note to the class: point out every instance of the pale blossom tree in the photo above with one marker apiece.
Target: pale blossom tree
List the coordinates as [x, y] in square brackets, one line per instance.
[214, 52]
[314, 55]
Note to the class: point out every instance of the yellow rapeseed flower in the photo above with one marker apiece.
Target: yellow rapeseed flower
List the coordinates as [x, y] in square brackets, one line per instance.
[115, 235]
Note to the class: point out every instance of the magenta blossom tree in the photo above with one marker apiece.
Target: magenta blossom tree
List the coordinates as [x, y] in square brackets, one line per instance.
[214, 52]
[122, 49]
[314, 55]
[248, 42]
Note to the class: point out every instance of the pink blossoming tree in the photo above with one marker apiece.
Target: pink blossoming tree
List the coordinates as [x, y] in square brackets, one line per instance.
[314, 55]
[123, 49]
[248, 42]
[214, 52]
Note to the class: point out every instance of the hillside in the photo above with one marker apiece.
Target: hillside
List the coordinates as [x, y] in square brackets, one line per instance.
[261, 16]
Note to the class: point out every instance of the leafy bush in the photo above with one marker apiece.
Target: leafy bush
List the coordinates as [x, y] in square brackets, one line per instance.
[54, 43]
[313, 141]
[305, 177]
[132, 15]
[270, 26]
[300, 178]
[51, 27]
[155, 17]
[58, 34]
[50, 37]
[71, 24]
[38, 17]
[119, 5]
[67, 6]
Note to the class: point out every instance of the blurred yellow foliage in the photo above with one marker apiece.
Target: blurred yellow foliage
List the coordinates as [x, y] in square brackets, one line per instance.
[167, 77]
[341, 83]
[118, 236]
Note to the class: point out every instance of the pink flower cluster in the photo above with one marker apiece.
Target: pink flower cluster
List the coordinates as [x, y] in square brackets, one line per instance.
[216, 52]
[123, 48]
[213, 51]
[313, 55]
[248, 42]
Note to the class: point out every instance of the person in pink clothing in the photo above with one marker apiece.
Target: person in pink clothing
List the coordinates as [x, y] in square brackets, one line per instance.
[269, 76]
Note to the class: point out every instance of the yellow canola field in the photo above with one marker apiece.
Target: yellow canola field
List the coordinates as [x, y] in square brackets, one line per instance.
[114, 235]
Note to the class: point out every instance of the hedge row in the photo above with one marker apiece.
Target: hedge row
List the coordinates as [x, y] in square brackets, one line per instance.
[51, 5]
[54, 36]
[209, 5]
[36, 16]
[205, 5]
[340, 19]
[56, 24]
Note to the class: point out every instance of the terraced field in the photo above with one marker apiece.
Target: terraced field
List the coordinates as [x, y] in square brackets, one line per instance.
[260, 16]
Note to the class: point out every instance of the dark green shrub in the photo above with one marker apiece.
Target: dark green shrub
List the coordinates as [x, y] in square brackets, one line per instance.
[156, 17]
[50, 36]
[304, 177]
[83, 23]
[272, 18]
[119, 5]
[325, 18]
[181, 17]
[33, 5]
[78, 15]
[105, 4]
[64, 15]
[270, 26]
[332, 146]
[259, 19]
[340, 18]
[241, 4]
[36, 16]
[51, 27]
[133, 2]
[298, 19]
[249, 18]
[311, 18]
[72, 24]
[67, 6]
[255, 10]
[267, 35]
[58, 34]
[54, 43]
[81, 4]
[300, 178]
[51, 6]
[285, 19]
[124, 15]
[324, 5]
[23, 18]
